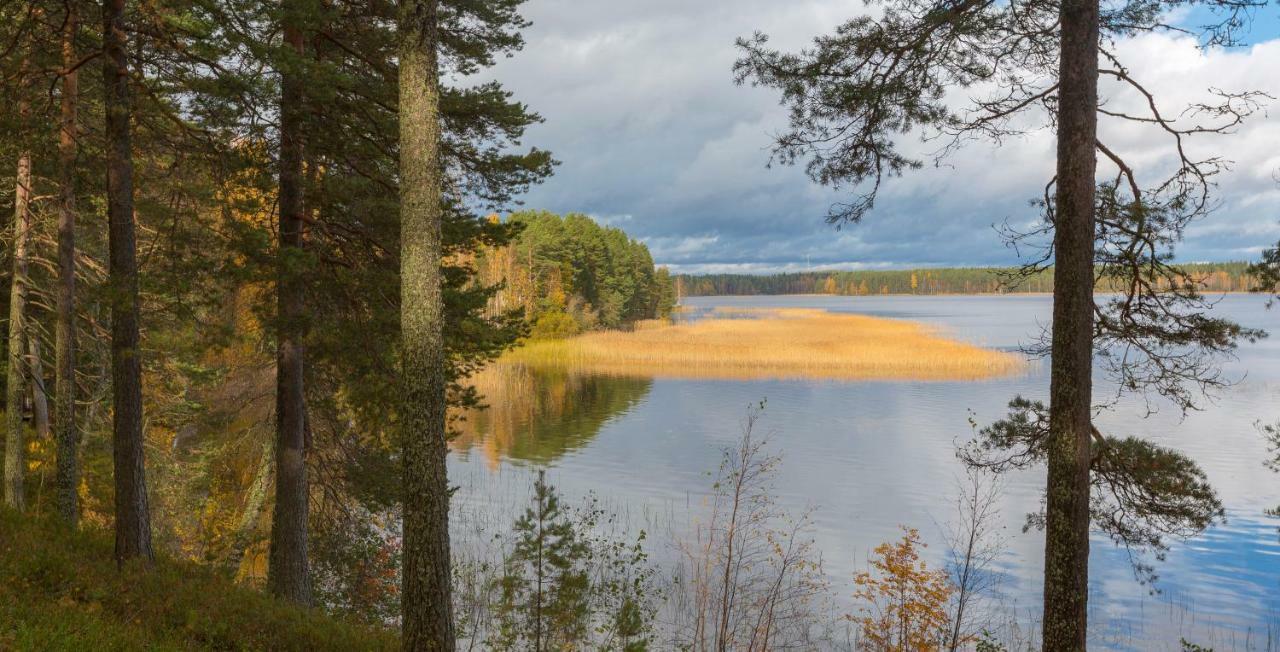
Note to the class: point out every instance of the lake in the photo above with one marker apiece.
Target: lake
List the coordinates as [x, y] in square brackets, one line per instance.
[870, 456]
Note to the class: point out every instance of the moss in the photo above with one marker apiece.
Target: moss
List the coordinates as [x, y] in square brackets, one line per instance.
[60, 590]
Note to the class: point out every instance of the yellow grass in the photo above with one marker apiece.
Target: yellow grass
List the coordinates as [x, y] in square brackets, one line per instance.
[776, 343]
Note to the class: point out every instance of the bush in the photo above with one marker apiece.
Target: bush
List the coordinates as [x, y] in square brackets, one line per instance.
[904, 600]
[554, 324]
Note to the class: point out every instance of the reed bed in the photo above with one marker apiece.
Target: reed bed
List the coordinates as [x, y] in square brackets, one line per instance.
[776, 343]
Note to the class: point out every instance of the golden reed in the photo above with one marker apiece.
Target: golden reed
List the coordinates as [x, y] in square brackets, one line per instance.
[775, 343]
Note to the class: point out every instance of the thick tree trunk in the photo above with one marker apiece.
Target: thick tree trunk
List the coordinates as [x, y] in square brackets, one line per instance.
[288, 575]
[427, 606]
[64, 408]
[39, 394]
[1066, 560]
[252, 506]
[15, 449]
[133, 518]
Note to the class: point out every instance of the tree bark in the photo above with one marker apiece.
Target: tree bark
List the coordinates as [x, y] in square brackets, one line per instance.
[288, 575]
[252, 506]
[15, 453]
[35, 380]
[1066, 560]
[427, 604]
[133, 518]
[64, 408]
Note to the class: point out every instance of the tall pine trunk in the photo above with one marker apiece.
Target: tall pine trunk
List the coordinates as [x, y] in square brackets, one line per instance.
[288, 575]
[427, 606]
[64, 408]
[35, 382]
[1066, 559]
[133, 518]
[15, 449]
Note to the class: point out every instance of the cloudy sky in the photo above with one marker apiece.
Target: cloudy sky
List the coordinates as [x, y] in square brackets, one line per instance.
[654, 137]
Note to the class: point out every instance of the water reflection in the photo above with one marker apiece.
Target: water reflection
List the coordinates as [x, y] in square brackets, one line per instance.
[872, 455]
[539, 415]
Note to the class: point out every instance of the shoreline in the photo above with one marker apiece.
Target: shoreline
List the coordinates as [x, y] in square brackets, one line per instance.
[947, 294]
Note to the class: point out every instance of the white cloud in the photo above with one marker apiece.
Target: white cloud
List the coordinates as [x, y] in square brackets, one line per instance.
[642, 110]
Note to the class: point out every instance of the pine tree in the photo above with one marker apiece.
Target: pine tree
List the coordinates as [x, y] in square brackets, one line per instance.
[132, 513]
[351, 216]
[1068, 450]
[545, 591]
[427, 612]
[68, 433]
[202, 127]
[855, 92]
[15, 437]
[571, 274]
[1140, 494]
[289, 575]
[568, 584]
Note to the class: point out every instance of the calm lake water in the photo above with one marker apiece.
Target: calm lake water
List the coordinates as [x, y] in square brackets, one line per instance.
[870, 456]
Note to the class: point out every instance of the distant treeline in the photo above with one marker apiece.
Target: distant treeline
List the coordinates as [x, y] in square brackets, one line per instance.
[1213, 277]
[571, 274]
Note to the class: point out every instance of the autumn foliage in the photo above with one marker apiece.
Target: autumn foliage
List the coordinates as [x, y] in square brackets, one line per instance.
[904, 601]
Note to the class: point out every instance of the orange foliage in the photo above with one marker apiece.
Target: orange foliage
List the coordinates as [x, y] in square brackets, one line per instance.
[906, 602]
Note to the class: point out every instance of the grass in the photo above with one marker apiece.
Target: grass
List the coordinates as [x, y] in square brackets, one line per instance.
[775, 343]
[60, 590]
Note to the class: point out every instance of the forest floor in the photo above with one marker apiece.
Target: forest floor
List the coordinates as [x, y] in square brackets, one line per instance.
[746, 343]
[61, 590]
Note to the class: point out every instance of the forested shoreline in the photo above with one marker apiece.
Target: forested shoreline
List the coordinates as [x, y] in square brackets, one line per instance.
[570, 274]
[1205, 277]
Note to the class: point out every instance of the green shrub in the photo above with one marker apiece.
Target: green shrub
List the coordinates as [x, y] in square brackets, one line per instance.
[554, 324]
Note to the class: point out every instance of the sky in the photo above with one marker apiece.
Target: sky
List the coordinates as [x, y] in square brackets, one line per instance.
[655, 138]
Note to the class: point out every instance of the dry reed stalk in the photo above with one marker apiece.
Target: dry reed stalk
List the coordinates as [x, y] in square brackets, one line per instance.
[776, 343]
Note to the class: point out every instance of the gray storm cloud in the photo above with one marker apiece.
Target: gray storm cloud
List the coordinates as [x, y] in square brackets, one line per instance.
[654, 137]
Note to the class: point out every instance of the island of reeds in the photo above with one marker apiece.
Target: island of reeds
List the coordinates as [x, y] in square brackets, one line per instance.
[774, 343]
